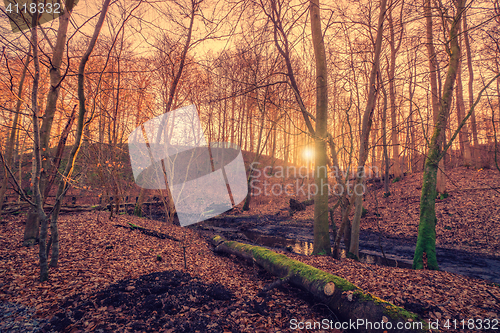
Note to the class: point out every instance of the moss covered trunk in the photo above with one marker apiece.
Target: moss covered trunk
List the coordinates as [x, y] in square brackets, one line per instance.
[350, 303]
[426, 241]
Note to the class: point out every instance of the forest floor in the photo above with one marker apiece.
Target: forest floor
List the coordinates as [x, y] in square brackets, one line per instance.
[468, 219]
[114, 278]
[111, 279]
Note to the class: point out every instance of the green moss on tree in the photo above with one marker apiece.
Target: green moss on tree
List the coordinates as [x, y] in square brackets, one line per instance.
[426, 241]
[393, 311]
[308, 273]
[348, 300]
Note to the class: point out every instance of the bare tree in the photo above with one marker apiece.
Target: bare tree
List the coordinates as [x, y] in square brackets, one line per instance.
[394, 46]
[470, 86]
[176, 70]
[321, 226]
[365, 134]
[433, 74]
[81, 124]
[320, 134]
[14, 129]
[464, 142]
[32, 224]
[426, 241]
[37, 201]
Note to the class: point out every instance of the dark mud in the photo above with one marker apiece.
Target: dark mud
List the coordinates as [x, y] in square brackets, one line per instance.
[164, 300]
[173, 301]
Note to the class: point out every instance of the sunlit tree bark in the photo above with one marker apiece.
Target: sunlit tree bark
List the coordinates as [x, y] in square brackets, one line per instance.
[384, 142]
[81, 124]
[321, 226]
[396, 164]
[259, 151]
[475, 140]
[37, 159]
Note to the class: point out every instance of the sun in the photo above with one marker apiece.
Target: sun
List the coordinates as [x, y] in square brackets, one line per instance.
[308, 154]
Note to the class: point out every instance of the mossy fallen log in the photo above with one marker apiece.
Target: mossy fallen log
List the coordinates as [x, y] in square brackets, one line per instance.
[357, 310]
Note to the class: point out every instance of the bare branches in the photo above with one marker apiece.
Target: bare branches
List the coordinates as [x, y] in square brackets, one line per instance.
[467, 116]
[19, 188]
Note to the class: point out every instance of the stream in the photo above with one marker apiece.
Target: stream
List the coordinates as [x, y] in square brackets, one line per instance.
[398, 250]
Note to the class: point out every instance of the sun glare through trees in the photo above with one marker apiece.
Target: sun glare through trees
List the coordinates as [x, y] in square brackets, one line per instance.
[348, 150]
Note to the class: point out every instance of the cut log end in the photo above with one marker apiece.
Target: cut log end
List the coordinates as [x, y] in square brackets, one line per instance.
[329, 289]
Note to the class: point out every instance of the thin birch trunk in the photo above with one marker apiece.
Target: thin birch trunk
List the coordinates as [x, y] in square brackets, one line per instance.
[365, 132]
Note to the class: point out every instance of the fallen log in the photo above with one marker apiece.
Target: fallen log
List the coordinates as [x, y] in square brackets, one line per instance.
[357, 310]
[147, 232]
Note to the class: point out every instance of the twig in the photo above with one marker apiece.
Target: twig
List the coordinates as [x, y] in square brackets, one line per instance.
[21, 191]
[489, 292]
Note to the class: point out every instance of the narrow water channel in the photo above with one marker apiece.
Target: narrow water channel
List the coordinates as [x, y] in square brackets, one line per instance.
[398, 251]
[306, 248]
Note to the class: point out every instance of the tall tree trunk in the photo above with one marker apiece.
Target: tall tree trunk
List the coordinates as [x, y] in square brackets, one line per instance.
[396, 164]
[170, 206]
[411, 127]
[53, 93]
[433, 71]
[55, 77]
[321, 224]
[493, 119]
[250, 107]
[386, 154]
[55, 84]
[273, 143]
[37, 159]
[426, 241]
[246, 205]
[286, 139]
[464, 133]
[81, 124]
[475, 140]
[365, 134]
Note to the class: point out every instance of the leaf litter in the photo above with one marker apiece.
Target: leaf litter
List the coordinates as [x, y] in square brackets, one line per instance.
[110, 279]
[107, 276]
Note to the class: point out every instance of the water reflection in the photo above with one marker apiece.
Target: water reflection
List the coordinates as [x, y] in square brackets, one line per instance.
[306, 248]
